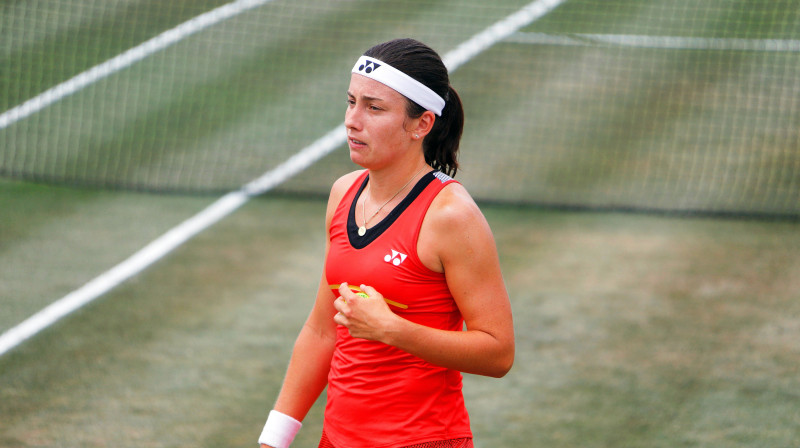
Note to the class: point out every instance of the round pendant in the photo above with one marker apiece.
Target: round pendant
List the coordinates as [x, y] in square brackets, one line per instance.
[362, 231]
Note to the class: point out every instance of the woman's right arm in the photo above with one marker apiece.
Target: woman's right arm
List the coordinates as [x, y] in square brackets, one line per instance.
[307, 374]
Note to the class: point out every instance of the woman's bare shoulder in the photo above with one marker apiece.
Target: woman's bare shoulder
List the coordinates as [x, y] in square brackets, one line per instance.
[338, 190]
[454, 206]
[454, 226]
[343, 183]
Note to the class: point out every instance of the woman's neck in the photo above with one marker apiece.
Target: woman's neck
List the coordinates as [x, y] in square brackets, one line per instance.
[389, 182]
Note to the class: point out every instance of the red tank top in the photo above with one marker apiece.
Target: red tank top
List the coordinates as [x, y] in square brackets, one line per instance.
[378, 395]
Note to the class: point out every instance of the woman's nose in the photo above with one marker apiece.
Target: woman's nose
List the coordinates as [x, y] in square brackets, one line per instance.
[351, 118]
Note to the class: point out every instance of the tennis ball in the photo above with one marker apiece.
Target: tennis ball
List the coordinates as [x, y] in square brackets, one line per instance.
[362, 294]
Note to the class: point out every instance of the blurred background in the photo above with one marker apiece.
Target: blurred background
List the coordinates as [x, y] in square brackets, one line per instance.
[638, 161]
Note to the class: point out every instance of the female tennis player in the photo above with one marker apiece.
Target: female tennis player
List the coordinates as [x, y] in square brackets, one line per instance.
[411, 294]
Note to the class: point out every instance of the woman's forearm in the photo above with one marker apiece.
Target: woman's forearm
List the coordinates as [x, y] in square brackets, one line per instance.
[471, 351]
[307, 374]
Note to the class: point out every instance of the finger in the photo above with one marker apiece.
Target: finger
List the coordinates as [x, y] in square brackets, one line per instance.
[341, 305]
[346, 292]
[371, 292]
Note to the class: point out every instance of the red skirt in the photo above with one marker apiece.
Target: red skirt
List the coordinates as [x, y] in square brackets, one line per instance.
[452, 443]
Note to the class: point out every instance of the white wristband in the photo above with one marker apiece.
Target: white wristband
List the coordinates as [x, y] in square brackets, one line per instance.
[279, 431]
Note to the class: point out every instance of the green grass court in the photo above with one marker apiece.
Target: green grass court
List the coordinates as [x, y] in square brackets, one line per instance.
[633, 329]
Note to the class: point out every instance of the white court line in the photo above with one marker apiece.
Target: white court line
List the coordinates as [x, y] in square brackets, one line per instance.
[663, 42]
[126, 59]
[232, 201]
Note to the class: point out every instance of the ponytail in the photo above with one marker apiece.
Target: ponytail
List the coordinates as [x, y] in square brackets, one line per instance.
[441, 144]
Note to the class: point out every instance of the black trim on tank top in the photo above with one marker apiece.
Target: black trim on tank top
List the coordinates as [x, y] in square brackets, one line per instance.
[360, 242]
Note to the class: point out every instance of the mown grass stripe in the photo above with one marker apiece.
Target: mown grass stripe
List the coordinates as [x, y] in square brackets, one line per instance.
[126, 59]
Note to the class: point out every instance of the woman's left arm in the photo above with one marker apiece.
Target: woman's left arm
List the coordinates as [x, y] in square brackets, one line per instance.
[455, 239]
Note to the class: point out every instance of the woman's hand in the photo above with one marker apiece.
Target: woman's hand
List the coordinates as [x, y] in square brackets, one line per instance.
[365, 317]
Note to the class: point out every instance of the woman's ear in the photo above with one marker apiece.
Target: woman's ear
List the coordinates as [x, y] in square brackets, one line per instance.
[424, 124]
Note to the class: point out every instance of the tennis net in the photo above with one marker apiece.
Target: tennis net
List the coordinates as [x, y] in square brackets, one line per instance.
[672, 105]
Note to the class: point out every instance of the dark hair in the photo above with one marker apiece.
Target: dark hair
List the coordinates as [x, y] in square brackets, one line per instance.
[420, 62]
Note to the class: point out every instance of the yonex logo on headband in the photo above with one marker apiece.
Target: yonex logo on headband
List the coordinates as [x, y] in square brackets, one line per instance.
[400, 82]
[365, 67]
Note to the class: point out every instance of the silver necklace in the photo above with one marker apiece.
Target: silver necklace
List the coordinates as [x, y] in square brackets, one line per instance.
[362, 230]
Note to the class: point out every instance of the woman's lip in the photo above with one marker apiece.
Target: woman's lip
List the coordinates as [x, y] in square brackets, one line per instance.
[356, 142]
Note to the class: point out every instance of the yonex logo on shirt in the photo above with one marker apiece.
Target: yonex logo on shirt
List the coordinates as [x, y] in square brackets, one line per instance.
[395, 258]
[368, 67]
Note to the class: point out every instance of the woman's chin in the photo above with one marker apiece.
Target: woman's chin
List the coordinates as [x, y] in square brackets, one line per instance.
[358, 158]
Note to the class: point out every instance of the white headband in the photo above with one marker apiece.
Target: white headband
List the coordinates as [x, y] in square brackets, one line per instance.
[405, 85]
